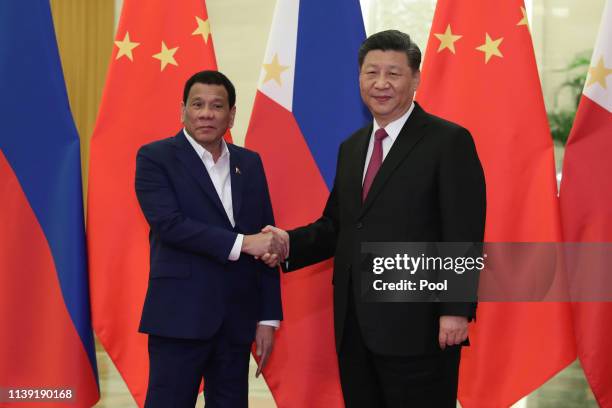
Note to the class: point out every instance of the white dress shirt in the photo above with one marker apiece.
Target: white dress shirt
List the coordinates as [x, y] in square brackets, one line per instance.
[393, 129]
[219, 173]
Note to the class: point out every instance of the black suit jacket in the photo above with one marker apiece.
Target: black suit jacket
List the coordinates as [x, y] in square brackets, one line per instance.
[193, 287]
[430, 188]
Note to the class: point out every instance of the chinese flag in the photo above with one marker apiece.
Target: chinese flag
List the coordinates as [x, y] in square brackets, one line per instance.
[480, 72]
[586, 208]
[157, 48]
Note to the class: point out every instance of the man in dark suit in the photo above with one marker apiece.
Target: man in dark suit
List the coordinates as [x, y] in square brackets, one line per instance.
[206, 201]
[407, 177]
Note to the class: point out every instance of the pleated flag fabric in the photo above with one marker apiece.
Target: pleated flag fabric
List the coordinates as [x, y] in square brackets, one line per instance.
[480, 72]
[158, 46]
[46, 341]
[307, 103]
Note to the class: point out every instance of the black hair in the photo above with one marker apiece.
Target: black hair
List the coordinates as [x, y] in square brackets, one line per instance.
[211, 78]
[391, 40]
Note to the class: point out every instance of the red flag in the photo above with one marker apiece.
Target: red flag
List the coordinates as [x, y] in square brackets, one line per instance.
[47, 355]
[157, 48]
[480, 72]
[297, 126]
[586, 204]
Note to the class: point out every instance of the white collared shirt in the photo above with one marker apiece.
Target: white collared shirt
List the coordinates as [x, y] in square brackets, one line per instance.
[393, 129]
[219, 173]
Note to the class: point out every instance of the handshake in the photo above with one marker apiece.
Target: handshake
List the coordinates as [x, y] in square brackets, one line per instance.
[271, 245]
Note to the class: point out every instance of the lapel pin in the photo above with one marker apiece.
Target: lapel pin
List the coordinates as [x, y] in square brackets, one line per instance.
[237, 170]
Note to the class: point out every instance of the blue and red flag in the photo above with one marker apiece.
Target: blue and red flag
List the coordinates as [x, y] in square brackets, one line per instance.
[45, 339]
[306, 104]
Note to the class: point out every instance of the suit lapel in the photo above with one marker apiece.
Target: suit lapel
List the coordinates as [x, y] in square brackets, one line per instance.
[188, 157]
[357, 156]
[237, 179]
[406, 140]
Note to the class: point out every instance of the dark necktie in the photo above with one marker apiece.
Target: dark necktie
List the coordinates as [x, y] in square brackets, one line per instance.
[375, 162]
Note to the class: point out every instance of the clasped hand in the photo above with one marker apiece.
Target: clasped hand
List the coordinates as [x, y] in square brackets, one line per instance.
[271, 245]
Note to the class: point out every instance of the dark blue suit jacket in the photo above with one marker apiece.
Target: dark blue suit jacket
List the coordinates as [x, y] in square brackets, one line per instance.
[193, 287]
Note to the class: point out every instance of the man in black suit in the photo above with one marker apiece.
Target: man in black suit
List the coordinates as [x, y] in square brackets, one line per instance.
[208, 297]
[407, 177]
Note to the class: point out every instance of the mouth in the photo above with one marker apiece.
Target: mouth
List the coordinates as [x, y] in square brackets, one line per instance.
[205, 128]
[381, 99]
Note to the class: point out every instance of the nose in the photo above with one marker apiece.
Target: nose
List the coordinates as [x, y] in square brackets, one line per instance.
[206, 112]
[381, 81]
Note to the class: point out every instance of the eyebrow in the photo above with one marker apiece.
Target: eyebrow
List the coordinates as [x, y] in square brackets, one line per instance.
[214, 99]
[370, 65]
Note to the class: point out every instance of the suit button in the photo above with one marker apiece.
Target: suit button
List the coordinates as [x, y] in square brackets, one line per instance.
[359, 225]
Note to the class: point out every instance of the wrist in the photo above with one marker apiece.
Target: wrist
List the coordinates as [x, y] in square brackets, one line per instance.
[247, 242]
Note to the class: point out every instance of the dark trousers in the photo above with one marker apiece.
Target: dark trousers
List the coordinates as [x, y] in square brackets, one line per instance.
[177, 367]
[380, 381]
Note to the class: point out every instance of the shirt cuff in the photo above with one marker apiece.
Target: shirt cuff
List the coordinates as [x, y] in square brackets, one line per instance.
[235, 252]
[273, 323]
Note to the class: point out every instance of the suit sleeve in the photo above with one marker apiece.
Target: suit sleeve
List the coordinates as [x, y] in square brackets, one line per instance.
[271, 306]
[160, 207]
[462, 195]
[316, 242]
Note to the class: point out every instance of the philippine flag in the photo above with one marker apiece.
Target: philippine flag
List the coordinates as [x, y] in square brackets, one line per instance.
[586, 210]
[307, 103]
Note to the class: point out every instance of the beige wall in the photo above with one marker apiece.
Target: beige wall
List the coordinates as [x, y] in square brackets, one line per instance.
[240, 32]
[411, 16]
[561, 30]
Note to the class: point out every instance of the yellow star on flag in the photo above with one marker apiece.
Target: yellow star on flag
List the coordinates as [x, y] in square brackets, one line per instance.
[598, 74]
[274, 70]
[447, 40]
[491, 47]
[125, 47]
[203, 29]
[166, 56]
[524, 21]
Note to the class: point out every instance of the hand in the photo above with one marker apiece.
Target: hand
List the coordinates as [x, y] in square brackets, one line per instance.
[453, 330]
[273, 259]
[264, 342]
[262, 243]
